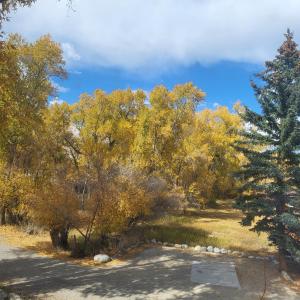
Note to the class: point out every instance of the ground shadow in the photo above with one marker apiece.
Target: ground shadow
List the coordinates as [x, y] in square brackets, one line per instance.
[153, 272]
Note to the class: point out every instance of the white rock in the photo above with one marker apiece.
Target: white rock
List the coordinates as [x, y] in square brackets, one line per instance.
[200, 248]
[236, 253]
[229, 251]
[153, 241]
[165, 243]
[159, 242]
[223, 251]
[13, 296]
[177, 246]
[217, 250]
[210, 249]
[102, 258]
[184, 246]
[286, 276]
[250, 256]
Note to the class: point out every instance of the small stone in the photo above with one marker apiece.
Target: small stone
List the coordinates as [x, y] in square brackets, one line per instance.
[224, 251]
[217, 250]
[102, 258]
[235, 253]
[184, 246]
[165, 243]
[210, 249]
[275, 262]
[286, 276]
[200, 248]
[250, 256]
[259, 257]
[13, 296]
[159, 242]
[153, 241]
[177, 246]
[229, 251]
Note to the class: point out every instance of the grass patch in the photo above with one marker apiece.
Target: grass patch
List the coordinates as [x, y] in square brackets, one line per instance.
[179, 235]
[218, 227]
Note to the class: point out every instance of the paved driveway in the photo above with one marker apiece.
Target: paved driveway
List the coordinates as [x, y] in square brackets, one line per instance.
[157, 273]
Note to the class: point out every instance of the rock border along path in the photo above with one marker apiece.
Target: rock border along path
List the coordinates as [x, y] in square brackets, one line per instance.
[211, 249]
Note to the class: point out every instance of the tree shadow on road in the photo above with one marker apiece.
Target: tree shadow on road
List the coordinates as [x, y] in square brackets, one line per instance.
[150, 275]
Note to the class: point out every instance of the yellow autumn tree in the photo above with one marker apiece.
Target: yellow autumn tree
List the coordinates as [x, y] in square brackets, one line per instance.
[55, 204]
[210, 157]
[105, 126]
[25, 85]
[161, 129]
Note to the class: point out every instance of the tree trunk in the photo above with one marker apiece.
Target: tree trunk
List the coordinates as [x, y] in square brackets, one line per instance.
[10, 218]
[59, 237]
[282, 261]
[2, 216]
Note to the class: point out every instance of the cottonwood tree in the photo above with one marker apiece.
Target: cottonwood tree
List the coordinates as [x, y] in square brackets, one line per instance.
[106, 128]
[209, 156]
[55, 204]
[26, 70]
[191, 150]
[161, 129]
[271, 144]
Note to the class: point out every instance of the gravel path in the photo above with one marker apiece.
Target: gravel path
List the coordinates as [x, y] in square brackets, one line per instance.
[157, 273]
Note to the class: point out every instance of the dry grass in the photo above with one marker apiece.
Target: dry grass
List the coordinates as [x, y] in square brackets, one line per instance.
[41, 244]
[217, 227]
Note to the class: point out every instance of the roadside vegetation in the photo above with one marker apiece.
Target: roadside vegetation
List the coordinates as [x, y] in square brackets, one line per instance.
[114, 163]
[219, 227]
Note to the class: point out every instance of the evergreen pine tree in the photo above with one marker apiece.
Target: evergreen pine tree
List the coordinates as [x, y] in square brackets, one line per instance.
[270, 196]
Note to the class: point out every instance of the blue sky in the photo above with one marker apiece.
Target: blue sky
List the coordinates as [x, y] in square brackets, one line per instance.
[224, 83]
[217, 44]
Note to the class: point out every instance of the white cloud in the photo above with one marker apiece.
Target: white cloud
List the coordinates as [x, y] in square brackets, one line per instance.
[70, 54]
[75, 72]
[59, 88]
[135, 34]
[216, 104]
[56, 100]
